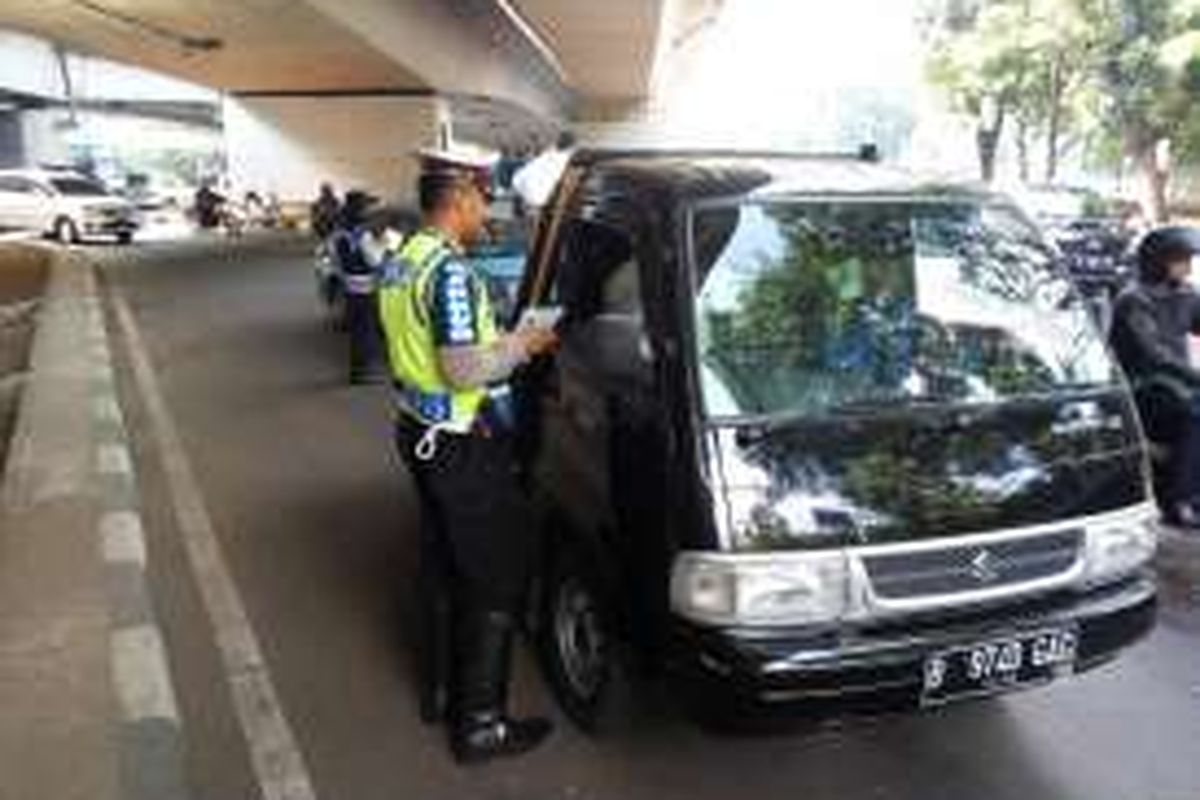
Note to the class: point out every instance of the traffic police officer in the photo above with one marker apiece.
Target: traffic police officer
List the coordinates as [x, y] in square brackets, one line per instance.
[450, 365]
[359, 282]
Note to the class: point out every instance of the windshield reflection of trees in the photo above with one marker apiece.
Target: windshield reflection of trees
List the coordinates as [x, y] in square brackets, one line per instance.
[827, 322]
[829, 318]
[928, 473]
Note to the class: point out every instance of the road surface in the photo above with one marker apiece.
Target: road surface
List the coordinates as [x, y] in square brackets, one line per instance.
[316, 522]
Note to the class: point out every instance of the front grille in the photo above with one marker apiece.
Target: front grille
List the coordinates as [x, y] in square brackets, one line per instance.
[972, 567]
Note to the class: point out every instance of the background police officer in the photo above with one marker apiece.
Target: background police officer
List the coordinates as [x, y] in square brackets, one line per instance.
[450, 364]
[359, 283]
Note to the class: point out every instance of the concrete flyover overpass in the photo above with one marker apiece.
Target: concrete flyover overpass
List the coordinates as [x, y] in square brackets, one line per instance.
[343, 89]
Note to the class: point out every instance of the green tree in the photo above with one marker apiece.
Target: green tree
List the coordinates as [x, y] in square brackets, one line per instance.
[1024, 60]
[1147, 70]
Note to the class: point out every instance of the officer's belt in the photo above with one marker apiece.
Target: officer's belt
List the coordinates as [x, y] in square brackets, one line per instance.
[411, 401]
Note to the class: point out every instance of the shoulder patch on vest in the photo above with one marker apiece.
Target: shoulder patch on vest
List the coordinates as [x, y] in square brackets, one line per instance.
[454, 304]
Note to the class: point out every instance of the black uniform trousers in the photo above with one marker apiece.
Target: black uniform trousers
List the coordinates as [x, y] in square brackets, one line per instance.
[365, 334]
[475, 522]
[1171, 416]
[476, 548]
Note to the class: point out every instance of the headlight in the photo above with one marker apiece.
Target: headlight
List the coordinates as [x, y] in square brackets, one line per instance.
[1120, 546]
[754, 589]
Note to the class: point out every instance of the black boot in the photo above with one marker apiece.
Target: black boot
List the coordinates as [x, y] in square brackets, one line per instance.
[480, 728]
[435, 648]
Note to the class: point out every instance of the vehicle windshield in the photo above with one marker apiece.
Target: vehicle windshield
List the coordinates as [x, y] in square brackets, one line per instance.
[80, 187]
[827, 307]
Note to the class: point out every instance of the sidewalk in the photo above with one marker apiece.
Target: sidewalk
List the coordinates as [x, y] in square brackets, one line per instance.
[8, 235]
[22, 279]
[88, 707]
[53, 618]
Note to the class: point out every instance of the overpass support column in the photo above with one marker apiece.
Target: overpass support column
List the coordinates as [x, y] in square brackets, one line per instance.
[289, 143]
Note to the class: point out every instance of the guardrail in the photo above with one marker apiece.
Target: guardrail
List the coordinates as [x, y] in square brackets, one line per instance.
[23, 271]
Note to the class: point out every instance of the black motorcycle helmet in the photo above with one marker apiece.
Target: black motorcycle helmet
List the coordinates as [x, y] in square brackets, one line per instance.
[1161, 246]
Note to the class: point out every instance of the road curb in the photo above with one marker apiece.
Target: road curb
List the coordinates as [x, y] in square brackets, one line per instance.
[70, 448]
[150, 739]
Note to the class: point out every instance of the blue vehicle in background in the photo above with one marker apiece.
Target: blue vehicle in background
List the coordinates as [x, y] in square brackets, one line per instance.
[501, 261]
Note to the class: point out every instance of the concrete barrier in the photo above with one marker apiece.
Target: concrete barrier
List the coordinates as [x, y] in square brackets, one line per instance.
[22, 280]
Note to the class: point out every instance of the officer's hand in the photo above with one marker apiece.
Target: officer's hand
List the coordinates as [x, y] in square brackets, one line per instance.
[537, 341]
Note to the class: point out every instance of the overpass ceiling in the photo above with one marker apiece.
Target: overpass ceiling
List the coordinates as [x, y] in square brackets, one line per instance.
[268, 45]
[606, 48]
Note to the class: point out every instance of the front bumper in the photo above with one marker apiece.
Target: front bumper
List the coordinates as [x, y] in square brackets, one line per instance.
[113, 226]
[880, 667]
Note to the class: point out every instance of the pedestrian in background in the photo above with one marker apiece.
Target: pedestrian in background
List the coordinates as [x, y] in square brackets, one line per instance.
[207, 206]
[324, 213]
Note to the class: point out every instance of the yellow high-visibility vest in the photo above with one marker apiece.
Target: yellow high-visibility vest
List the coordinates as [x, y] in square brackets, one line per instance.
[405, 300]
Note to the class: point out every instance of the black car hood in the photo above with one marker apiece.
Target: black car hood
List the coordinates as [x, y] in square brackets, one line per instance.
[922, 472]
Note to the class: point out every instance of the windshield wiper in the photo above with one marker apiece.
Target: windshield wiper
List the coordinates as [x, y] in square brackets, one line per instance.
[770, 421]
[889, 404]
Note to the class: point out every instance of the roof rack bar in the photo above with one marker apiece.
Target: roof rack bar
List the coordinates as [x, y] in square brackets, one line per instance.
[868, 152]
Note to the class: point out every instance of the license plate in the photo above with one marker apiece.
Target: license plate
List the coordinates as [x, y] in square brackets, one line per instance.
[998, 665]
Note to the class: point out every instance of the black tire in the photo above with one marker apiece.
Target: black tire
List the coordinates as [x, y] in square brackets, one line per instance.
[124, 237]
[582, 657]
[66, 231]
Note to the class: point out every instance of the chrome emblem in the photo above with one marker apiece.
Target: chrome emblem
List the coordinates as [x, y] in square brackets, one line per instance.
[984, 567]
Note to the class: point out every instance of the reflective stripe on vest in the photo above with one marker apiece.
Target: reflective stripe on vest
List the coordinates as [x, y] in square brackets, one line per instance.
[405, 300]
[359, 283]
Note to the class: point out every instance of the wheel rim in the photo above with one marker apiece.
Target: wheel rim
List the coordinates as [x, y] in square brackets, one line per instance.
[579, 637]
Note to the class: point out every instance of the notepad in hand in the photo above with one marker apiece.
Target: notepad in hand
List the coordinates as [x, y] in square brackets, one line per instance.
[540, 317]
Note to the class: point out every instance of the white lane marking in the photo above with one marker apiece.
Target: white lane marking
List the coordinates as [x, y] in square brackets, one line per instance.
[113, 459]
[278, 763]
[139, 666]
[106, 409]
[122, 539]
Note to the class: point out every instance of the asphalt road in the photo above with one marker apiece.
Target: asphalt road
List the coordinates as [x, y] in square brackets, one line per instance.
[317, 522]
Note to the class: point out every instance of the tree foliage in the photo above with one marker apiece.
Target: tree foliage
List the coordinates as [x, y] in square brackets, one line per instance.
[1061, 69]
[1023, 61]
[1147, 71]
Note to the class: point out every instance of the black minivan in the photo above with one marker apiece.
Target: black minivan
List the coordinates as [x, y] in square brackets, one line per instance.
[821, 435]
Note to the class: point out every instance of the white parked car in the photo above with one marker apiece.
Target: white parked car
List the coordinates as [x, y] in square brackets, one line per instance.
[63, 204]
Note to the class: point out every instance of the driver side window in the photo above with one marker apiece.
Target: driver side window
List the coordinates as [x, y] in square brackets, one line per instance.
[600, 288]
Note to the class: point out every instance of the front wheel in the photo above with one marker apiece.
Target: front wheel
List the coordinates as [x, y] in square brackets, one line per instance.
[124, 237]
[66, 231]
[580, 653]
